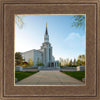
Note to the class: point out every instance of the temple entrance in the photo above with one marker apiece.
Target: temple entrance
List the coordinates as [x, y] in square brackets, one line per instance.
[52, 64]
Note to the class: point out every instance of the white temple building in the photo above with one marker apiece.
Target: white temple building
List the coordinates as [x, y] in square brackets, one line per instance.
[43, 55]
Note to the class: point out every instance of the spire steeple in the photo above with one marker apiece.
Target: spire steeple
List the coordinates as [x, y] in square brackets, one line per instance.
[46, 36]
[46, 32]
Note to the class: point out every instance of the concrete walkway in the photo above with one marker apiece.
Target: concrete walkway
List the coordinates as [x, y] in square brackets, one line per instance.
[49, 78]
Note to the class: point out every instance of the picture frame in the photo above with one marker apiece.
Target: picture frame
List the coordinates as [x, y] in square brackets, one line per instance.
[8, 8]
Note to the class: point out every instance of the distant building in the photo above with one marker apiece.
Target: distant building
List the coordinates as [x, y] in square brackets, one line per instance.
[43, 55]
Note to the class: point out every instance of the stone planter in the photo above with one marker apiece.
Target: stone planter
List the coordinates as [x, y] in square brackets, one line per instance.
[80, 68]
[18, 68]
[40, 67]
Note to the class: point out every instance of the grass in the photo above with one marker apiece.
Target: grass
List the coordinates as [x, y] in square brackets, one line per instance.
[21, 75]
[76, 74]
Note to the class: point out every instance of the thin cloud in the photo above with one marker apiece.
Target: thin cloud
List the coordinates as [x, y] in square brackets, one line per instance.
[75, 40]
[72, 36]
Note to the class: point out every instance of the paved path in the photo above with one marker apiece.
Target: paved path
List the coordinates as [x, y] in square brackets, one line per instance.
[49, 78]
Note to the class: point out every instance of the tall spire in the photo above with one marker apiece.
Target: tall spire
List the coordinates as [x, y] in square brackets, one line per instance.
[46, 32]
[46, 36]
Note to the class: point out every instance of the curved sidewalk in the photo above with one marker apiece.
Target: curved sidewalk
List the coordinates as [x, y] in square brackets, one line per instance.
[49, 78]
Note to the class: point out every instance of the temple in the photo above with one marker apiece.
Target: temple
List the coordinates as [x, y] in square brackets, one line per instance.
[42, 56]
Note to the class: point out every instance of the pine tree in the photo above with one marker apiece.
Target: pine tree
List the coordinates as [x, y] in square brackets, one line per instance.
[18, 58]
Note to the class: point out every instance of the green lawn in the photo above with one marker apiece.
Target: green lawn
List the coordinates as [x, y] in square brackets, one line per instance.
[76, 74]
[21, 75]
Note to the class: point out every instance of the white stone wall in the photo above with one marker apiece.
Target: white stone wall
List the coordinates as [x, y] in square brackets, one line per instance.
[37, 55]
[53, 59]
[34, 55]
[27, 55]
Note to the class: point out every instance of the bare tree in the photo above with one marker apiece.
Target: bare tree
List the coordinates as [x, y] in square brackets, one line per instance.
[19, 20]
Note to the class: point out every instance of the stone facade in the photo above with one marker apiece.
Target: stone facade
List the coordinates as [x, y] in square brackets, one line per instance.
[43, 55]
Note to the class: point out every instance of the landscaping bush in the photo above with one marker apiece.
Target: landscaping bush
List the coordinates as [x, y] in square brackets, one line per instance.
[30, 62]
[40, 64]
[25, 64]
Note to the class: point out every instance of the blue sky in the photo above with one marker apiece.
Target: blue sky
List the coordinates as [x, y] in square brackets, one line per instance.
[67, 41]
